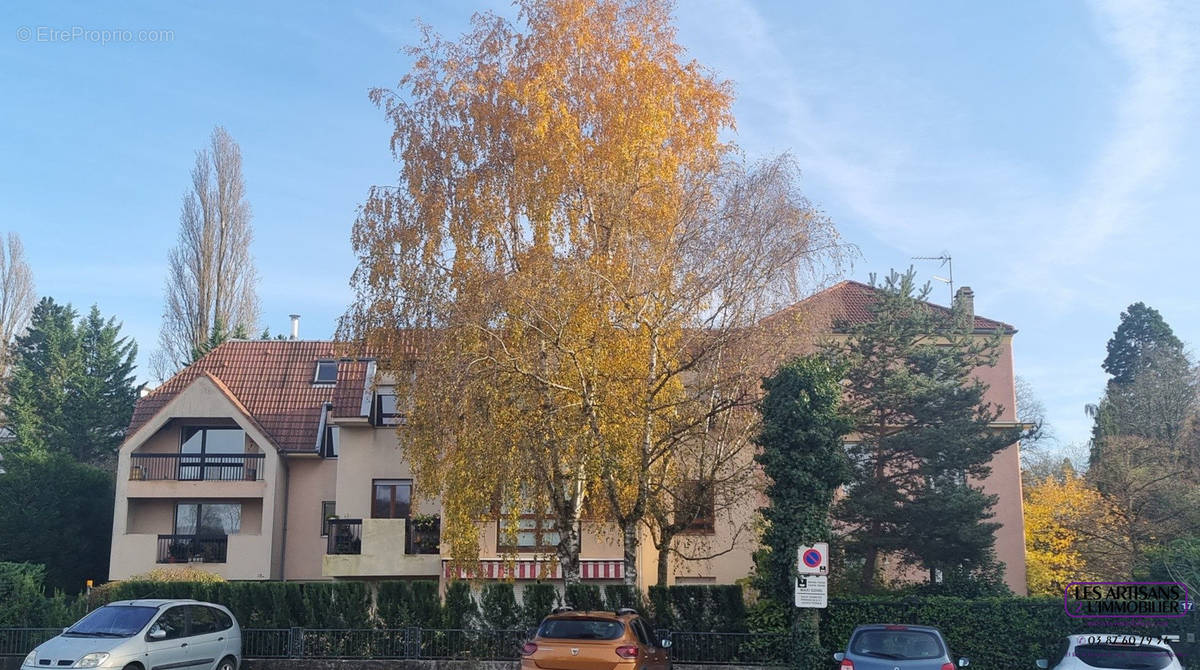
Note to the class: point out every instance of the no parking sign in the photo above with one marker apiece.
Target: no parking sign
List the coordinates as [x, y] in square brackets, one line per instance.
[813, 560]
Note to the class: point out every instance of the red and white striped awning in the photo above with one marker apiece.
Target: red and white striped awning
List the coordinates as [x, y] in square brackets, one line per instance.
[592, 569]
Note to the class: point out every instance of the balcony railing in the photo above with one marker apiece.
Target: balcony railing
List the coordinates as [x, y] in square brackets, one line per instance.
[345, 536]
[196, 467]
[192, 548]
[423, 535]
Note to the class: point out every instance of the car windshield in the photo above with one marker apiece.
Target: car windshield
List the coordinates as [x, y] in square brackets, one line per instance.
[113, 621]
[581, 629]
[896, 644]
[1131, 656]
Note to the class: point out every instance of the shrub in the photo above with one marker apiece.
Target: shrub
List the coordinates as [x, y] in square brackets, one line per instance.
[498, 606]
[460, 609]
[394, 604]
[537, 600]
[617, 596]
[583, 597]
[426, 604]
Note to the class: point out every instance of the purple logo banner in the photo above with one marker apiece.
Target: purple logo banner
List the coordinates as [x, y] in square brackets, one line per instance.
[1107, 600]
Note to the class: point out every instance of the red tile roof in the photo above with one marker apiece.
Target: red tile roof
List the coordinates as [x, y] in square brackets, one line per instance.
[272, 380]
[847, 303]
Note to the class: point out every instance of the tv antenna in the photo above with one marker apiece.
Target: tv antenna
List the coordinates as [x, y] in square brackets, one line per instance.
[946, 262]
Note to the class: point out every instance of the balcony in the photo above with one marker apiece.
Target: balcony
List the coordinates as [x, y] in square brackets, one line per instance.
[382, 548]
[196, 467]
[192, 548]
[345, 537]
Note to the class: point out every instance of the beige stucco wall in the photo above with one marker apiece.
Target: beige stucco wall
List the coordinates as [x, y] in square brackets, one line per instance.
[157, 516]
[311, 480]
[382, 555]
[367, 453]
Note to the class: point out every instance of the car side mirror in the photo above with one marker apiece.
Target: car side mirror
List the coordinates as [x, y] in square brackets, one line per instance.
[962, 662]
[158, 634]
[665, 644]
[1042, 663]
[839, 656]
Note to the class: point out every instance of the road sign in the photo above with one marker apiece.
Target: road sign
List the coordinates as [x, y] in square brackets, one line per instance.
[812, 591]
[813, 560]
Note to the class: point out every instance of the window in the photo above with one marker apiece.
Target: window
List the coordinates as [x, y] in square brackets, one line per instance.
[173, 622]
[696, 505]
[640, 631]
[897, 644]
[534, 533]
[204, 620]
[329, 441]
[208, 519]
[212, 453]
[326, 372]
[391, 498]
[385, 410]
[581, 629]
[123, 620]
[327, 513]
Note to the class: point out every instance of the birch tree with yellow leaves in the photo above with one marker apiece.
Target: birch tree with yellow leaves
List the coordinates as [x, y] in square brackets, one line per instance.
[580, 258]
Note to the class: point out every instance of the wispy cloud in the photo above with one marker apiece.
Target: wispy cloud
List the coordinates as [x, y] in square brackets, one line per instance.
[1157, 44]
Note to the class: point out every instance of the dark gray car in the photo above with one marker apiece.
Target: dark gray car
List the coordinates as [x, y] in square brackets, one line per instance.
[897, 647]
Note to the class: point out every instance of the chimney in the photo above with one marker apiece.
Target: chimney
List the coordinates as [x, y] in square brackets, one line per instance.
[964, 308]
[296, 326]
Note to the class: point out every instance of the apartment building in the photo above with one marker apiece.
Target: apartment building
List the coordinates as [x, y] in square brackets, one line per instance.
[280, 459]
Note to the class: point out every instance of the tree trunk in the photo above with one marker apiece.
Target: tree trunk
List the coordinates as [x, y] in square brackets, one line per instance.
[629, 535]
[868, 574]
[664, 561]
[568, 554]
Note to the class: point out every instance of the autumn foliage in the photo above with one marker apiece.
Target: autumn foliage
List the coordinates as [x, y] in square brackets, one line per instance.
[579, 258]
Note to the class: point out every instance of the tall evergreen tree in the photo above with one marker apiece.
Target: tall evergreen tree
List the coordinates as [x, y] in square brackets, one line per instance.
[1152, 391]
[105, 392]
[46, 366]
[924, 435]
[1141, 334]
[72, 388]
[802, 456]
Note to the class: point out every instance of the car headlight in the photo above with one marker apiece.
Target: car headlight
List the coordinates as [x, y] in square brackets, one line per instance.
[31, 658]
[91, 660]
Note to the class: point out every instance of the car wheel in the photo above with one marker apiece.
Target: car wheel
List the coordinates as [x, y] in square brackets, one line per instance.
[227, 663]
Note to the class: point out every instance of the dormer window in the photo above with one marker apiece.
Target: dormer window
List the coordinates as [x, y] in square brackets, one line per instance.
[326, 372]
[385, 412]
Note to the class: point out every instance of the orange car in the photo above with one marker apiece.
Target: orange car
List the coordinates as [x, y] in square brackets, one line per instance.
[620, 640]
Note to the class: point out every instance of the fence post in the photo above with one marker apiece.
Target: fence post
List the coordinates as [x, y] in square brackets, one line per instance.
[295, 642]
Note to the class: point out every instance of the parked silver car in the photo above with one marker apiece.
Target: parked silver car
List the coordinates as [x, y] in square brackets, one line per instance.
[897, 647]
[145, 635]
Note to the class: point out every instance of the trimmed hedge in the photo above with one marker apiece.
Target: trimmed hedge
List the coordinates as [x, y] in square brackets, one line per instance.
[1008, 632]
[701, 607]
[1002, 632]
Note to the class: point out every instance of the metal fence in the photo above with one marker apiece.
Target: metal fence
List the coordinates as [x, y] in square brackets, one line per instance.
[731, 648]
[21, 641]
[440, 643]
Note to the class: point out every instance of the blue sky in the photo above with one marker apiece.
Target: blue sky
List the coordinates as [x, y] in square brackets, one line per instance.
[1051, 148]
